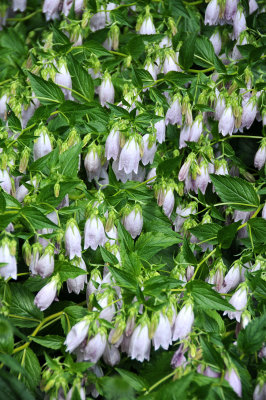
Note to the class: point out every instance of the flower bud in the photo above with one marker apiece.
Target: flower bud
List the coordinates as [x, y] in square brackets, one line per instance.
[260, 391]
[160, 127]
[253, 6]
[112, 146]
[46, 295]
[45, 264]
[93, 163]
[260, 156]
[24, 160]
[72, 240]
[232, 278]
[133, 221]
[76, 335]
[216, 40]
[232, 377]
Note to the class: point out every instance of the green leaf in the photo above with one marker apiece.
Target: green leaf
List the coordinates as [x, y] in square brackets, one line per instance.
[6, 336]
[210, 321]
[207, 298]
[108, 257]
[166, 167]
[116, 388]
[252, 337]
[73, 315]
[136, 47]
[236, 192]
[13, 389]
[135, 381]
[210, 354]
[36, 218]
[81, 80]
[187, 253]
[187, 51]
[45, 163]
[175, 390]
[69, 161]
[227, 233]
[178, 9]
[2, 203]
[178, 78]
[258, 230]
[60, 41]
[67, 271]
[96, 48]
[149, 244]
[156, 284]
[22, 307]
[54, 342]
[206, 232]
[46, 91]
[30, 362]
[124, 278]
[13, 121]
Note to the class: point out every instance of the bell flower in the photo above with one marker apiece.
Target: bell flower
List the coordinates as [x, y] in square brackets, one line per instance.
[147, 27]
[8, 259]
[42, 145]
[168, 202]
[93, 163]
[196, 129]
[120, 174]
[178, 358]
[232, 278]
[249, 112]
[174, 112]
[130, 156]
[239, 301]
[170, 63]
[133, 221]
[212, 13]
[230, 9]
[19, 5]
[106, 90]
[184, 135]
[232, 377]
[111, 355]
[112, 146]
[77, 284]
[140, 344]
[149, 149]
[260, 156]
[50, 9]
[77, 335]
[227, 121]
[239, 23]
[46, 295]
[94, 234]
[5, 181]
[163, 333]
[253, 6]
[45, 264]
[95, 347]
[216, 40]
[183, 322]
[260, 391]
[72, 240]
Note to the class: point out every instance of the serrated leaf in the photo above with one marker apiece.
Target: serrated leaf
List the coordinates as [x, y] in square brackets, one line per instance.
[175, 390]
[30, 362]
[13, 121]
[36, 218]
[207, 298]
[186, 51]
[135, 381]
[81, 80]
[108, 257]
[227, 233]
[149, 244]
[156, 284]
[67, 271]
[96, 48]
[6, 336]
[206, 232]
[187, 253]
[258, 229]
[54, 342]
[210, 354]
[46, 91]
[22, 307]
[252, 337]
[124, 278]
[236, 192]
[69, 161]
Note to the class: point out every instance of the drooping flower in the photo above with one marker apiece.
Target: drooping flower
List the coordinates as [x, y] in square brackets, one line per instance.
[227, 121]
[260, 391]
[5, 181]
[239, 23]
[45, 264]
[212, 13]
[112, 146]
[50, 9]
[72, 240]
[230, 9]
[184, 135]
[93, 163]
[239, 301]
[140, 343]
[94, 234]
[42, 145]
[149, 149]
[46, 295]
[232, 377]
[95, 347]
[111, 355]
[77, 284]
[76, 335]
[253, 6]
[196, 129]
[163, 333]
[183, 322]
[170, 63]
[179, 358]
[147, 27]
[216, 40]
[62, 77]
[260, 156]
[133, 221]
[249, 112]
[130, 156]
[19, 5]
[8, 259]
[174, 112]
[232, 278]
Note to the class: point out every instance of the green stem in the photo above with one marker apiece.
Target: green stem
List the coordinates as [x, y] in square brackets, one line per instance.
[197, 71]
[202, 262]
[194, 3]
[253, 216]
[24, 18]
[159, 382]
[3, 82]
[74, 91]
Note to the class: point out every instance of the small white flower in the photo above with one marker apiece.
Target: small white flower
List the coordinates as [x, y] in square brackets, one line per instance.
[111, 355]
[183, 322]
[63, 78]
[220, 105]
[253, 6]
[97, 21]
[170, 63]
[120, 174]
[160, 130]
[72, 240]
[42, 145]
[212, 13]
[239, 301]
[77, 284]
[163, 333]
[149, 150]
[112, 146]
[76, 335]
[46, 295]
[94, 234]
[216, 42]
[202, 179]
[227, 122]
[260, 157]
[50, 9]
[230, 9]
[239, 24]
[106, 91]
[147, 27]
[133, 222]
[196, 130]
[152, 69]
[174, 113]
[168, 202]
[231, 279]
[140, 344]
[10, 269]
[5, 181]
[249, 112]
[184, 170]
[93, 164]
[184, 136]
[232, 377]
[130, 157]
[95, 348]
[260, 392]
[45, 264]
[19, 5]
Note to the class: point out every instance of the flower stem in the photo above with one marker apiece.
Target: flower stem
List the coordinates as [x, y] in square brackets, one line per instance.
[202, 262]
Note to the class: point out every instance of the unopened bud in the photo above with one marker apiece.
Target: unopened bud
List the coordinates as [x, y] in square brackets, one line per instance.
[24, 160]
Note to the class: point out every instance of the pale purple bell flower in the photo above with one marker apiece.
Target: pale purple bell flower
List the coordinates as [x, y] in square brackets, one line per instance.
[151, 174]
[160, 130]
[140, 344]
[81, 391]
[170, 63]
[63, 78]
[210, 373]
[232, 377]
[253, 6]
[184, 170]
[7, 257]
[227, 122]
[50, 9]
[120, 174]
[263, 213]
[178, 358]
[111, 355]
[196, 129]
[72, 240]
[249, 112]
[106, 91]
[108, 308]
[92, 164]
[46, 295]
[147, 27]
[19, 5]
[94, 234]
[163, 333]
[133, 222]
[216, 40]
[202, 179]
[184, 136]
[220, 105]
[5, 181]
[260, 392]
[42, 145]
[95, 347]
[239, 23]
[151, 68]
[77, 284]
[221, 168]
[165, 42]
[231, 279]
[112, 146]
[168, 202]
[260, 157]
[212, 13]
[230, 9]
[239, 301]
[77, 335]
[97, 21]
[183, 322]
[174, 112]
[3, 102]
[45, 264]
[149, 149]
[236, 55]
[130, 157]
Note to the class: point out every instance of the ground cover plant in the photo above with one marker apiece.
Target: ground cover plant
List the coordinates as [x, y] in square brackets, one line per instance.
[132, 199]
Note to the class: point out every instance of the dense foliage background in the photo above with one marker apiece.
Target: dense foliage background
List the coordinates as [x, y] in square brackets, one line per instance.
[132, 202]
